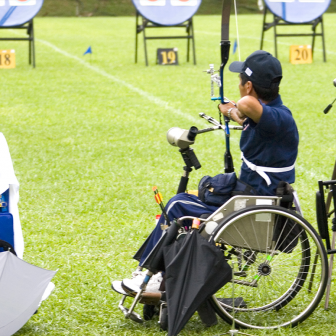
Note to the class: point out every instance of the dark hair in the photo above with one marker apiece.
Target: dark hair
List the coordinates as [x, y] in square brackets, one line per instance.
[266, 94]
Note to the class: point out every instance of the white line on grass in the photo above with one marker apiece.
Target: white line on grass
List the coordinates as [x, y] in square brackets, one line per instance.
[150, 97]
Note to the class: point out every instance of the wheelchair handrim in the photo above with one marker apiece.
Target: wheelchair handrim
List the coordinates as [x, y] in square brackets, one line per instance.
[319, 292]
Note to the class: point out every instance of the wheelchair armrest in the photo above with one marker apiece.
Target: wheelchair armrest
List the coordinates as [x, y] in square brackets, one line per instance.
[287, 199]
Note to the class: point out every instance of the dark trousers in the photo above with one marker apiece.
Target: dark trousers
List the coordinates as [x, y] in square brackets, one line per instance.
[178, 206]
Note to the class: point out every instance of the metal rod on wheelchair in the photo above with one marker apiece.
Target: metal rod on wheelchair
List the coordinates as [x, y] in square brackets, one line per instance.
[190, 159]
[233, 300]
[138, 296]
[134, 303]
[181, 219]
[217, 123]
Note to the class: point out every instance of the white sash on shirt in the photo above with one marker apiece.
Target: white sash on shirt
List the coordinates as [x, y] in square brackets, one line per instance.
[262, 170]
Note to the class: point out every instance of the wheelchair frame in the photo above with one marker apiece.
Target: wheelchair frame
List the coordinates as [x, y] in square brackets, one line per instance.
[269, 300]
[323, 213]
[238, 227]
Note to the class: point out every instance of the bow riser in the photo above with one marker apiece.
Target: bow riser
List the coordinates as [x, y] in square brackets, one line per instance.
[225, 52]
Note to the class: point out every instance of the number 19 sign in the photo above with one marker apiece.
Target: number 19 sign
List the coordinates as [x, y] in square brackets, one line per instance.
[167, 56]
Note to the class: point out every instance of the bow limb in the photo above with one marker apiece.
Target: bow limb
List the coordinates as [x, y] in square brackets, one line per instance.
[225, 52]
[225, 42]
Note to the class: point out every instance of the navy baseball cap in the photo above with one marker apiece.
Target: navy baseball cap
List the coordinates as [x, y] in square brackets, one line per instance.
[260, 67]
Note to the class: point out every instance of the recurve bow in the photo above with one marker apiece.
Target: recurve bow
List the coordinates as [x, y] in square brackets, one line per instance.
[225, 51]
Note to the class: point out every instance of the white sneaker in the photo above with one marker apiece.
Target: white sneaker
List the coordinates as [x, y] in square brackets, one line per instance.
[116, 286]
[132, 286]
[154, 283]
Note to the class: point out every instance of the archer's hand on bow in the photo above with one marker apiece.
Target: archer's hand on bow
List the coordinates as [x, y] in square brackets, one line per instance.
[231, 111]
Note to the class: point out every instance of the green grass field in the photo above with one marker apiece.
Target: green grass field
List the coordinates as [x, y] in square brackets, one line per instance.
[88, 141]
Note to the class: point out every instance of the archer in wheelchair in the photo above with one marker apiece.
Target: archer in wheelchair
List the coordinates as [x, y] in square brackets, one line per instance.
[253, 222]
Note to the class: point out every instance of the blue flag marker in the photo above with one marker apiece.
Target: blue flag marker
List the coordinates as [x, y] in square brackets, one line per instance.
[89, 51]
[235, 46]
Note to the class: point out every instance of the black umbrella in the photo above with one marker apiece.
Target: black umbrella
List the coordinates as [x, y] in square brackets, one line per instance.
[154, 261]
[195, 270]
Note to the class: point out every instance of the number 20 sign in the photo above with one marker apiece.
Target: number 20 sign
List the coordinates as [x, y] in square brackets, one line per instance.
[301, 54]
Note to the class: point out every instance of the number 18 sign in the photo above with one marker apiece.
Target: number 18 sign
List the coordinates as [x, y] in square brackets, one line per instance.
[7, 59]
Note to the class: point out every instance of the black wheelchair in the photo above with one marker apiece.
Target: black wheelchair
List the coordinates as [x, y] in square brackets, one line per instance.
[280, 265]
[280, 268]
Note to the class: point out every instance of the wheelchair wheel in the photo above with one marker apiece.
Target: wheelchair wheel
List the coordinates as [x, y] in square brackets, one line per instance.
[149, 311]
[279, 265]
[164, 319]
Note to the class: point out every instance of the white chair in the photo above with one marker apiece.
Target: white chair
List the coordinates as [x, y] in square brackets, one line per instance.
[9, 181]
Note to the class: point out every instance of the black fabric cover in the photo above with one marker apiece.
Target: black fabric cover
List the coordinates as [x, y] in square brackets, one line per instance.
[286, 232]
[207, 314]
[154, 261]
[321, 216]
[141, 250]
[195, 270]
[243, 188]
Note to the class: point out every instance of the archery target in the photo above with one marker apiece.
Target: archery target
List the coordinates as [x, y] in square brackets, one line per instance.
[22, 2]
[298, 11]
[152, 2]
[167, 12]
[298, 1]
[17, 12]
[183, 2]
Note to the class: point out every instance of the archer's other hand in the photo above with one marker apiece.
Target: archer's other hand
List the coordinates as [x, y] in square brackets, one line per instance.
[234, 113]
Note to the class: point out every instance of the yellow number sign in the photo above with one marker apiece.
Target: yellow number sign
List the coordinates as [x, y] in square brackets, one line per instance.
[301, 54]
[167, 56]
[7, 59]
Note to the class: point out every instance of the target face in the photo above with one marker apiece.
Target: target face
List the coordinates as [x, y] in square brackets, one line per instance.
[22, 2]
[17, 12]
[183, 2]
[298, 11]
[167, 12]
[297, 1]
[152, 2]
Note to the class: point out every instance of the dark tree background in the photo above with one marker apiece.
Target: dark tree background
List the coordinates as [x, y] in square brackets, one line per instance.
[126, 8]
